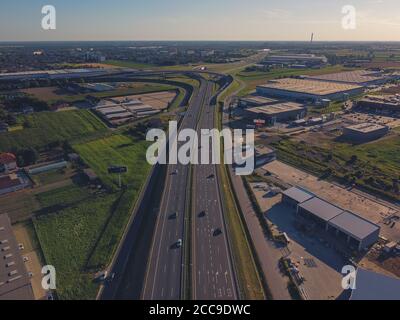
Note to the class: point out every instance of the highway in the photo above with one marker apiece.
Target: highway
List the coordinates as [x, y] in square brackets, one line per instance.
[212, 271]
[149, 265]
[164, 277]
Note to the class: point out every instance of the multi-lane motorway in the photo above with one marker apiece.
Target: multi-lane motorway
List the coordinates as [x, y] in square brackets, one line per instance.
[165, 273]
[212, 275]
[212, 271]
[189, 227]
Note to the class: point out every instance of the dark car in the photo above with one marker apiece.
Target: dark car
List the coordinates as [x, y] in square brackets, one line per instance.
[202, 214]
[217, 232]
[173, 216]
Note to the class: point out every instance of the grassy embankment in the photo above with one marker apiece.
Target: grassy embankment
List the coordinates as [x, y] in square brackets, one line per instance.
[371, 166]
[249, 280]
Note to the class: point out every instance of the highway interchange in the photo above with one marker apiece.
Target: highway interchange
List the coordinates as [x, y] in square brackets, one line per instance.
[190, 211]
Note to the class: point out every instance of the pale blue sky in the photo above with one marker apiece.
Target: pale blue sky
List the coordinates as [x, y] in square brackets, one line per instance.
[200, 20]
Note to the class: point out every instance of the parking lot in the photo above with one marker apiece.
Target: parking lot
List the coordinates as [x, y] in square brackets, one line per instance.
[364, 205]
[31, 252]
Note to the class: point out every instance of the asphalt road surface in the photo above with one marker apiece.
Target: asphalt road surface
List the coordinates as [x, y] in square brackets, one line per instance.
[164, 278]
[212, 273]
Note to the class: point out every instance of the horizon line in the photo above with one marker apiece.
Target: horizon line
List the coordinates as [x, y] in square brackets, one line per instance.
[305, 41]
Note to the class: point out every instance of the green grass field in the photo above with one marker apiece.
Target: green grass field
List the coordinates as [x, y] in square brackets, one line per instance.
[47, 127]
[116, 150]
[67, 237]
[140, 88]
[63, 196]
[377, 164]
[79, 229]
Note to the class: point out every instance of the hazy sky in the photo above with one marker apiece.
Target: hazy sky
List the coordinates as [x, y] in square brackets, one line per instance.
[200, 20]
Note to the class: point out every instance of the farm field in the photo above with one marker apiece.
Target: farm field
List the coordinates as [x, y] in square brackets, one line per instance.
[54, 94]
[67, 237]
[116, 150]
[41, 129]
[78, 228]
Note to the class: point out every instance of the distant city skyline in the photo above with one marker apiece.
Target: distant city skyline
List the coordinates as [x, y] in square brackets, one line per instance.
[253, 20]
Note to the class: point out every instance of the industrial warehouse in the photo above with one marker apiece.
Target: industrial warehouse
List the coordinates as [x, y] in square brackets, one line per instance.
[364, 132]
[120, 110]
[347, 227]
[255, 101]
[296, 60]
[272, 113]
[308, 90]
[57, 74]
[387, 104]
[358, 77]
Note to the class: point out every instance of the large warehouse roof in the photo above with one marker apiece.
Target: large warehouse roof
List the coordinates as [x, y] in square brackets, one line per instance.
[366, 127]
[375, 286]
[298, 194]
[258, 100]
[315, 87]
[354, 225]
[277, 108]
[357, 76]
[320, 208]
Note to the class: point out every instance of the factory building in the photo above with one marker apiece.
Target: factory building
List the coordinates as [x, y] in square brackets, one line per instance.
[364, 132]
[380, 104]
[375, 286]
[363, 78]
[56, 74]
[255, 101]
[308, 90]
[295, 196]
[307, 60]
[282, 111]
[357, 232]
[121, 113]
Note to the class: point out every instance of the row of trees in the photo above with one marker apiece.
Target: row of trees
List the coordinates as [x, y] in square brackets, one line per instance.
[26, 156]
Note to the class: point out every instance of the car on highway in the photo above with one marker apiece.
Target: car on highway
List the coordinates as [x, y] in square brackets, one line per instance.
[175, 172]
[211, 176]
[111, 277]
[178, 244]
[217, 232]
[173, 215]
[202, 214]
